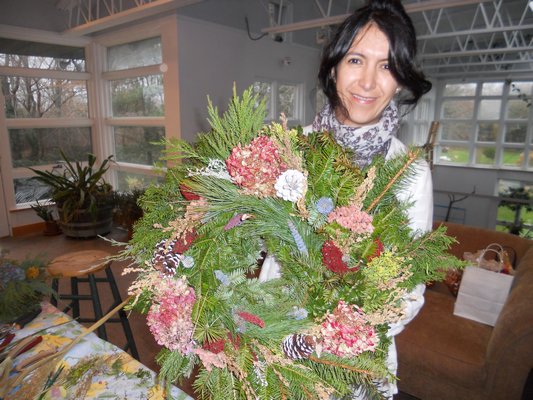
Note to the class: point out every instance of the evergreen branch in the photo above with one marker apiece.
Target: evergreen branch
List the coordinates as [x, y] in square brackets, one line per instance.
[413, 156]
[339, 365]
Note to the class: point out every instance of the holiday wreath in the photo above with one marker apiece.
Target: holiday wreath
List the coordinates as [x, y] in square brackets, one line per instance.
[348, 259]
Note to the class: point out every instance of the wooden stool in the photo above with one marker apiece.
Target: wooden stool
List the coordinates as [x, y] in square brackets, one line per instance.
[80, 266]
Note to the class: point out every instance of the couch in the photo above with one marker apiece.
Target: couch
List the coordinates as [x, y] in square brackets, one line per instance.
[442, 356]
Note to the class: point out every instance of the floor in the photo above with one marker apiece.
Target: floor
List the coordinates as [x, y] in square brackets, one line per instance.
[48, 247]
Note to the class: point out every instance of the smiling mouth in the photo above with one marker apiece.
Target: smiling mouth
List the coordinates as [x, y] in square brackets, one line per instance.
[363, 99]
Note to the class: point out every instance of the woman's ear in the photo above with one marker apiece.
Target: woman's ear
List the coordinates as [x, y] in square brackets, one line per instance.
[332, 74]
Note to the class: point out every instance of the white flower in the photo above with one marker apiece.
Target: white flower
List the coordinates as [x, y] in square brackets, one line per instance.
[291, 185]
[187, 262]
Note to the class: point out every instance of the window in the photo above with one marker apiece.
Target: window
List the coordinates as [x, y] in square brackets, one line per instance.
[136, 121]
[281, 98]
[45, 106]
[486, 124]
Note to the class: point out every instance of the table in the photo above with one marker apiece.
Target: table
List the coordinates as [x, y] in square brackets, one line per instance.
[93, 368]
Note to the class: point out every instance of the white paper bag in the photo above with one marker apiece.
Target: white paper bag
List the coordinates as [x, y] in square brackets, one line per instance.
[482, 295]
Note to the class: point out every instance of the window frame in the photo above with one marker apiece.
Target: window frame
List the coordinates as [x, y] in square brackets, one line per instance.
[9, 172]
[166, 29]
[473, 144]
[274, 113]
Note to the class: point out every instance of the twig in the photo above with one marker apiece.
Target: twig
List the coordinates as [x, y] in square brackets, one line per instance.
[343, 366]
[413, 155]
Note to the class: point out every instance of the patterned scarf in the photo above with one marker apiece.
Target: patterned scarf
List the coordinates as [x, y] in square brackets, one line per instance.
[365, 142]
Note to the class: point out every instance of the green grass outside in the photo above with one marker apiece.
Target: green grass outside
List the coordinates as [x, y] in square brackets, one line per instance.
[461, 156]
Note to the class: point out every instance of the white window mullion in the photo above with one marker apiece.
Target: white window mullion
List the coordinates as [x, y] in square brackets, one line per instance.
[171, 84]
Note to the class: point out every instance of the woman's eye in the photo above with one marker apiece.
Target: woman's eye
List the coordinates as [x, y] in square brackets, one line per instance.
[354, 61]
[385, 66]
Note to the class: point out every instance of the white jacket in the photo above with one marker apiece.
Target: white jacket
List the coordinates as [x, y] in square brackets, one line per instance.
[419, 192]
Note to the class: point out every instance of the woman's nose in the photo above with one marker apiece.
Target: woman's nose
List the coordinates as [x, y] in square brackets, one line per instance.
[367, 79]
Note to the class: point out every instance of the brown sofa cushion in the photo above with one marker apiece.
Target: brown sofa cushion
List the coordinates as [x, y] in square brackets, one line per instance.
[459, 352]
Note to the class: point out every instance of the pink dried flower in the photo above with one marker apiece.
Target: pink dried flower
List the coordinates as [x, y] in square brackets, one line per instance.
[169, 318]
[256, 167]
[347, 333]
[210, 360]
[352, 218]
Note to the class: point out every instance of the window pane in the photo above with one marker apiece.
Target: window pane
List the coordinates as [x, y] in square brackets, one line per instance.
[44, 98]
[24, 54]
[28, 190]
[458, 109]
[513, 157]
[138, 97]
[264, 90]
[136, 54]
[457, 130]
[40, 146]
[492, 89]
[287, 101]
[460, 89]
[518, 88]
[515, 133]
[489, 109]
[454, 154]
[128, 181]
[488, 131]
[517, 109]
[135, 144]
[485, 155]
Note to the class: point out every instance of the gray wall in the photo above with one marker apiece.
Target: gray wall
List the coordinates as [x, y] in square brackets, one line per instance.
[214, 56]
[481, 206]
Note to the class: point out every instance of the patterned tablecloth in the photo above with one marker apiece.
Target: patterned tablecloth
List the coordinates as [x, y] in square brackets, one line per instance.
[93, 368]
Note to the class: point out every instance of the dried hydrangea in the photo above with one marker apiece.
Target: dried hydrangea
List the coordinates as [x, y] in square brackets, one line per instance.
[347, 333]
[255, 167]
[169, 317]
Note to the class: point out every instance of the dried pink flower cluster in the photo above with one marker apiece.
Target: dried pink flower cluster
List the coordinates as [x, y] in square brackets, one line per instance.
[347, 333]
[169, 317]
[256, 167]
[352, 218]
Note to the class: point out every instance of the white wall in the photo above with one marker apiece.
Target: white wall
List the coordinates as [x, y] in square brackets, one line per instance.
[481, 206]
[213, 56]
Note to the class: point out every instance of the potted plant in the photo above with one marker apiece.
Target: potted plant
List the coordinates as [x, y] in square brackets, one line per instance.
[45, 212]
[83, 198]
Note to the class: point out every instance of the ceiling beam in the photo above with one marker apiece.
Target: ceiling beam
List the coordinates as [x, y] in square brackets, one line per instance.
[475, 64]
[480, 52]
[512, 73]
[129, 15]
[410, 8]
[475, 32]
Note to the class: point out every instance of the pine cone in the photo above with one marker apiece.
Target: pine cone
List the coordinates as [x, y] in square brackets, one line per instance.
[298, 346]
[164, 258]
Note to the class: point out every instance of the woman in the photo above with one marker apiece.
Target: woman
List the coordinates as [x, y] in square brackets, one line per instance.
[367, 68]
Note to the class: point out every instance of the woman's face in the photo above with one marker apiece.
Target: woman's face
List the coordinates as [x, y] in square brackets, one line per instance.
[364, 82]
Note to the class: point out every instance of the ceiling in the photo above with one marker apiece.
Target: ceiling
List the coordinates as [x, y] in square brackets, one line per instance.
[456, 38]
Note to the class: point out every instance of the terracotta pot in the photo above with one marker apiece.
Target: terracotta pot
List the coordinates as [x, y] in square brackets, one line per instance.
[51, 228]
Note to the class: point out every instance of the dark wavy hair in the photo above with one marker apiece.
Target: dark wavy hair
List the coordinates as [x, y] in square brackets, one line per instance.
[390, 18]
